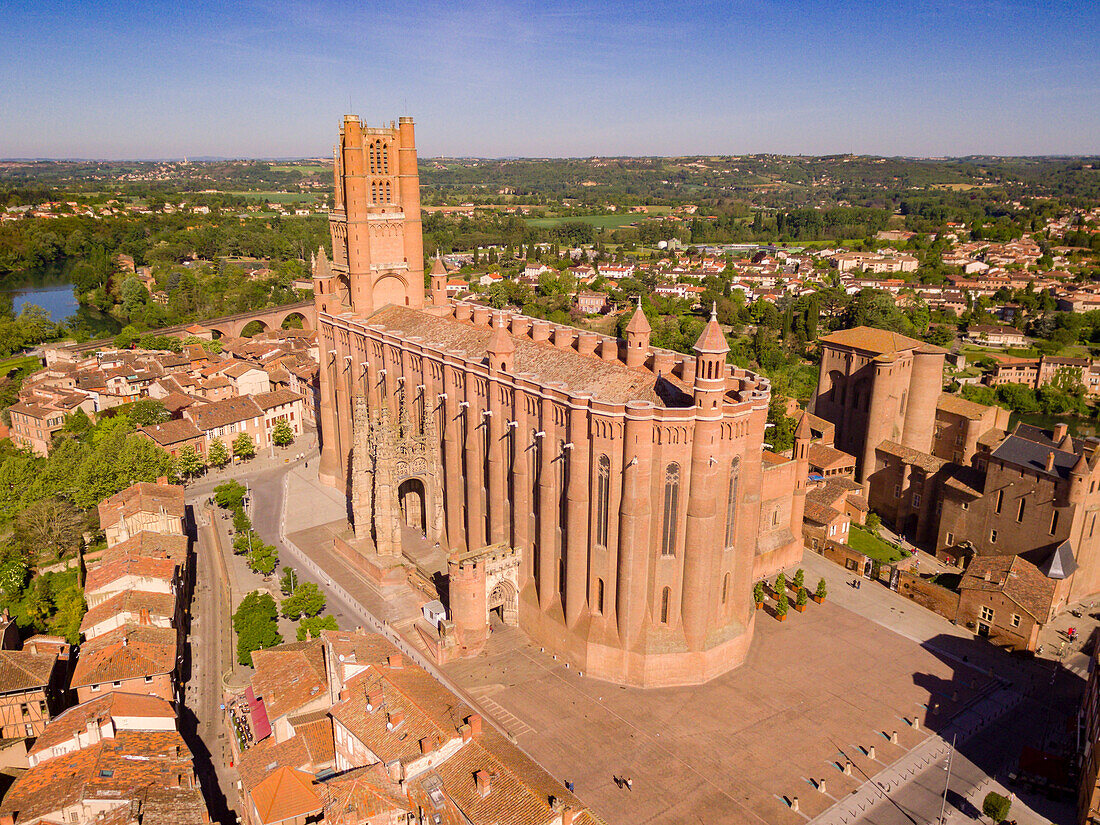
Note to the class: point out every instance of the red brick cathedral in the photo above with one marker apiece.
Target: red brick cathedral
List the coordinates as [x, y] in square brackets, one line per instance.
[612, 499]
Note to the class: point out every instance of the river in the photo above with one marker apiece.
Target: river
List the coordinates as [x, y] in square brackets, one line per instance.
[51, 288]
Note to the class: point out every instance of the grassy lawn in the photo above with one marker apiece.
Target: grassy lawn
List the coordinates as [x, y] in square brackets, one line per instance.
[28, 363]
[872, 546]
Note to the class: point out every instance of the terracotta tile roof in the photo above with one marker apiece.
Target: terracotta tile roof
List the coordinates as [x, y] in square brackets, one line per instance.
[290, 676]
[275, 398]
[222, 413]
[362, 793]
[22, 670]
[111, 772]
[427, 710]
[519, 791]
[610, 381]
[116, 566]
[130, 706]
[128, 652]
[825, 457]
[146, 497]
[172, 432]
[315, 730]
[874, 340]
[133, 602]
[173, 806]
[958, 405]
[1018, 579]
[820, 513]
[148, 544]
[925, 461]
[286, 793]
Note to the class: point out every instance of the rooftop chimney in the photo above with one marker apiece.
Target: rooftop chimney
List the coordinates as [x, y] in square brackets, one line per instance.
[374, 696]
[394, 718]
[162, 480]
[1050, 461]
[396, 661]
[474, 721]
[1060, 431]
[427, 744]
[481, 780]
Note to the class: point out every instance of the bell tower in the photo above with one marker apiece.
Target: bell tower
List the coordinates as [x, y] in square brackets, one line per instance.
[377, 246]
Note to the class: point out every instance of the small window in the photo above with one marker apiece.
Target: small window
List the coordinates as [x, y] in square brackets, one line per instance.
[916, 499]
[1000, 501]
[959, 439]
[1054, 522]
[106, 774]
[1015, 620]
[986, 613]
[116, 684]
[148, 680]
[966, 505]
[95, 688]
[950, 539]
[897, 491]
[666, 594]
[992, 536]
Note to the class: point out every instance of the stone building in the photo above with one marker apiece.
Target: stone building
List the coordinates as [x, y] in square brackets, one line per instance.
[629, 483]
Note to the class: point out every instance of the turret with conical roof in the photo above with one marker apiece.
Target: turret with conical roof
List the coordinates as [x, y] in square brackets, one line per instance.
[501, 349]
[324, 284]
[637, 338]
[439, 282]
[710, 364]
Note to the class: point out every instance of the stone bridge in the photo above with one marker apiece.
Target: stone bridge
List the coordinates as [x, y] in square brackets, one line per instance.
[230, 326]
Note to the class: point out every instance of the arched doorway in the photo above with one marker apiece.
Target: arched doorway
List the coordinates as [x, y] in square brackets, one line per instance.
[413, 505]
[502, 601]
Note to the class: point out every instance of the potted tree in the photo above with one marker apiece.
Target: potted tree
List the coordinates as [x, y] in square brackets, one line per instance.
[800, 600]
[782, 606]
[758, 594]
[821, 592]
[799, 580]
[780, 585]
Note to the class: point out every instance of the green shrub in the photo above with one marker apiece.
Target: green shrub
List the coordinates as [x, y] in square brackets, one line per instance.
[800, 599]
[758, 592]
[782, 605]
[821, 591]
[799, 578]
[781, 583]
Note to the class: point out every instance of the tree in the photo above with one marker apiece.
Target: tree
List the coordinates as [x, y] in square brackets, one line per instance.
[146, 411]
[781, 583]
[219, 453]
[873, 523]
[822, 591]
[241, 522]
[289, 581]
[758, 592]
[256, 623]
[799, 578]
[307, 600]
[70, 609]
[996, 807]
[782, 605]
[281, 433]
[310, 627]
[189, 463]
[50, 524]
[262, 558]
[243, 446]
[230, 495]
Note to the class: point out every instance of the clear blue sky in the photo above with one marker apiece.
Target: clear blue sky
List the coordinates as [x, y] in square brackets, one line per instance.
[147, 79]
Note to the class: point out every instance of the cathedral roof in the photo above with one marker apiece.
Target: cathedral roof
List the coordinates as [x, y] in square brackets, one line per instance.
[500, 342]
[610, 381]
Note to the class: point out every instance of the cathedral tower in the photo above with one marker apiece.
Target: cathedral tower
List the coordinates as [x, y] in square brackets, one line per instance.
[377, 249]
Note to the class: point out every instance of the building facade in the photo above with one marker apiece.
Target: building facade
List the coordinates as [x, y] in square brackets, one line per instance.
[631, 483]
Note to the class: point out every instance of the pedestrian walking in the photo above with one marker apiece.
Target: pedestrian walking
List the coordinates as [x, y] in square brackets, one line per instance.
[629, 784]
[569, 786]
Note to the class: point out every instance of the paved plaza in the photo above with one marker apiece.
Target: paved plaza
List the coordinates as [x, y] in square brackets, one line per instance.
[826, 687]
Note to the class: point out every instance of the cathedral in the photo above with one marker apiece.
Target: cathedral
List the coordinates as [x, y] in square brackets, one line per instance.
[614, 500]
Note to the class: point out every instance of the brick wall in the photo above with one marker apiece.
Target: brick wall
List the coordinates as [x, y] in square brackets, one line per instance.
[926, 594]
